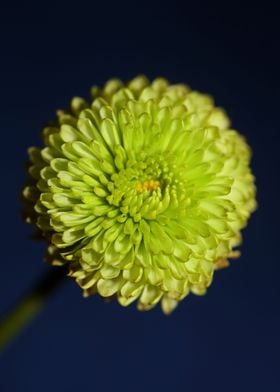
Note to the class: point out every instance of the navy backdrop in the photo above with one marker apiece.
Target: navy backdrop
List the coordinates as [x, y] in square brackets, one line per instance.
[225, 341]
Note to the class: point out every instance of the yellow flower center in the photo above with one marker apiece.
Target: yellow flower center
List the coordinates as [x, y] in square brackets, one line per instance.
[149, 185]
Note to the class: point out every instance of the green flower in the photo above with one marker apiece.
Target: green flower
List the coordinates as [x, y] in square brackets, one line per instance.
[142, 191]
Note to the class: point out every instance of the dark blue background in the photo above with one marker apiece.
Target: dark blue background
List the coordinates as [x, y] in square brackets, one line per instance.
[225, 341]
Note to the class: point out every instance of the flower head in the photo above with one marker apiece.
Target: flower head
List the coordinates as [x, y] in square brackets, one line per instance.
[142, 191]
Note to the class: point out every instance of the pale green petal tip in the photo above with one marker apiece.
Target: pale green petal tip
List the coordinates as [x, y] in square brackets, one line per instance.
[142, 191]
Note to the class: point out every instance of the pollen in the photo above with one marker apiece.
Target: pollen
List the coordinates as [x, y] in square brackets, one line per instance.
[149, 185]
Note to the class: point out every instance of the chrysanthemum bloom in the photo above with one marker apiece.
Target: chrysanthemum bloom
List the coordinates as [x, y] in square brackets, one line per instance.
[142, 191]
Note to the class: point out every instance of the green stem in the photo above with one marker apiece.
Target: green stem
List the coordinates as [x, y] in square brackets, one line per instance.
[15, 320]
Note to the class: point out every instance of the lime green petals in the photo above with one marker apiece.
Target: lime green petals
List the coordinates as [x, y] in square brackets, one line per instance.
[142, 191]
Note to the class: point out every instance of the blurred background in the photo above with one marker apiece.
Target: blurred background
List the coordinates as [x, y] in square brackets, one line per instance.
[225, 341]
